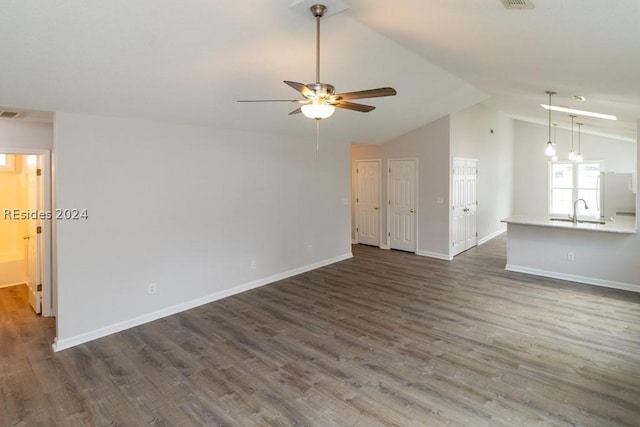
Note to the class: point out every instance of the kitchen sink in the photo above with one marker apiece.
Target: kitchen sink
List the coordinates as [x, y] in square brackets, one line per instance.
[580, 221]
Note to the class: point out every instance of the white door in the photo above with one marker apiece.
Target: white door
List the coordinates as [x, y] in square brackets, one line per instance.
[33, 237]
[402, 204]
[368, 202]
[464, 196]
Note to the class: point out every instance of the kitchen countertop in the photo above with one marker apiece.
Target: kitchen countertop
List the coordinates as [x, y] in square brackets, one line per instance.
[624, 224]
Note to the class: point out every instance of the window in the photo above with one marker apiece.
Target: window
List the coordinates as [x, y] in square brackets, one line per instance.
[570, 181]
[3, 160]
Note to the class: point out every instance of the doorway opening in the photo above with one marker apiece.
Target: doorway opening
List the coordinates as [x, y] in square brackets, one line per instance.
[25, 225]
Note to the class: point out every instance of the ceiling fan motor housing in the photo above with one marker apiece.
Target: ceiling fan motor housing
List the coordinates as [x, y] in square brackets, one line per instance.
[322, 90]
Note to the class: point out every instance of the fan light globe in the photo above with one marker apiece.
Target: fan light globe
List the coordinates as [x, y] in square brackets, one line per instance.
[317, 110]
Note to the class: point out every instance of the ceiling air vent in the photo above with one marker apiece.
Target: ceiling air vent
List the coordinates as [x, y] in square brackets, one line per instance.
[9, 114]
[517, 4]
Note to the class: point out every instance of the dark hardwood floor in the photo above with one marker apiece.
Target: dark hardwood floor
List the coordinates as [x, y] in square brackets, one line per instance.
[386, 338]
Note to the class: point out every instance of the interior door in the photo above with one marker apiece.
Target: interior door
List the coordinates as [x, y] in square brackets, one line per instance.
[471, 203]
[464, 196]
[368, 202]
[34, 237]
[458, 220]
[402, 204]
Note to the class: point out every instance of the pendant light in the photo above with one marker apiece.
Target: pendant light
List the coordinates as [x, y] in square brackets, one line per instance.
[554, 158]
[579, 155]
[550, 150]
[572, 154]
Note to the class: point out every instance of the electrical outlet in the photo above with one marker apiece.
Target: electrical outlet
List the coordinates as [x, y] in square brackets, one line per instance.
[152, 288]
[253, 264]
[571, 256]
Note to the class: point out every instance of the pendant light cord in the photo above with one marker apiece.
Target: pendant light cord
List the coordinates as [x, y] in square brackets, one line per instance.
[572, 117]
[550, 93]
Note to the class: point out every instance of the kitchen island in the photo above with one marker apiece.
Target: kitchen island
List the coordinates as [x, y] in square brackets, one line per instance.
[592, 253]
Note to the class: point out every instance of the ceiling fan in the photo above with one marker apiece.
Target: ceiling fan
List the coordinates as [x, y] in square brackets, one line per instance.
[320, 99]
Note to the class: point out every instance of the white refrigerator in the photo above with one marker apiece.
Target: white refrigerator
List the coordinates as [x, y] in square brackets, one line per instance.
[616, 195]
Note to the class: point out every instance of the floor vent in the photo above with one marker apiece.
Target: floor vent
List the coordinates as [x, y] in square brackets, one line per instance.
[517, 4]
[9, 114]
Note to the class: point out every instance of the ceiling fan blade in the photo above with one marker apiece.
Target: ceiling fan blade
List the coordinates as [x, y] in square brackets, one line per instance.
[355, 107]
[296, 111]
[303, 89]
[370, 93]
[270, 100]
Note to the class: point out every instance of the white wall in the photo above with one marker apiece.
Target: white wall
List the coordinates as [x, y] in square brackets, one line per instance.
[187, 208]
[15, 133]
[605, 259]
[430, 145]
[463, 134]
[531, 166]
[485, 134]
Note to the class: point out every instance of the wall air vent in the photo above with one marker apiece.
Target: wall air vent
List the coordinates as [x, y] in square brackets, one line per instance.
[517, 4]
[9, 114]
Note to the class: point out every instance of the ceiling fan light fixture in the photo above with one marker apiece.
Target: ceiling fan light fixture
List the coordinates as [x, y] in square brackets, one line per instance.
[318, 110]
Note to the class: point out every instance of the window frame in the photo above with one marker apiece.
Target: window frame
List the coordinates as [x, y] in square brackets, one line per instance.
[593, 212]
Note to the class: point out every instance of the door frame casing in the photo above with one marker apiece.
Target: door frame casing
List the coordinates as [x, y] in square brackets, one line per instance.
[379, 162]
[417, 202]
[48, 276]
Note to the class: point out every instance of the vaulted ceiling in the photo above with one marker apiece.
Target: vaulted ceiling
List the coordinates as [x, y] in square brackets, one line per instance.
[189, 61]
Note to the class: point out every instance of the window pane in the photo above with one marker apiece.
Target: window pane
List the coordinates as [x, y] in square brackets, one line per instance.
[3, 160]
[589, 196]
[561, 202]
[562, 175]
[588, 174]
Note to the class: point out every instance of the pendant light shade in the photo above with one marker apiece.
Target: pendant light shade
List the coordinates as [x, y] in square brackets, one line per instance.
[550, 149]
[572, 154]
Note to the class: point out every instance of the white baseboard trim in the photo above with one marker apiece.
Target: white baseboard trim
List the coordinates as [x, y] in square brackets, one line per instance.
[385, 247]
[574, 278]
[12, 284]
[437, 255]
[59, 345]
[491, 236]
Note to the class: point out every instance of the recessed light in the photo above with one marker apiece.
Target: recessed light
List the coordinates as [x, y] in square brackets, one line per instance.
[579, 112]
[579, 98]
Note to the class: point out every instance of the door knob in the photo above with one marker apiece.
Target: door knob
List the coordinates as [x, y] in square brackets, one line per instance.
[376, 208]
[26, 238]
[412, 210]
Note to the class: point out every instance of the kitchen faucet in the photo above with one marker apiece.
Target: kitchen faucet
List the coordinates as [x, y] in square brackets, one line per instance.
[574, 218]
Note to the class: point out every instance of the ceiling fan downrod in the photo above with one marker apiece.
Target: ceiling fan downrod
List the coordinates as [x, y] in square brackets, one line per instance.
[318, 11]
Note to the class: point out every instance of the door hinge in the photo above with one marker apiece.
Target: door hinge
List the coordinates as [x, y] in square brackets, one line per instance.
[476, 234]
[357, 170]
[38, 230]
[39, 288]
[357, 200]
[389, 202]
[389, 234]
[38, 172]
[389, 170]
[357, 230]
